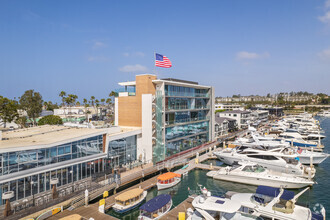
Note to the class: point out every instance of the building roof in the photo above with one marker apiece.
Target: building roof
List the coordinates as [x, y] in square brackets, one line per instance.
[130, 194]
[237, 111]
[130, 83]
[45, 135]
[220, 120]
[180, 80]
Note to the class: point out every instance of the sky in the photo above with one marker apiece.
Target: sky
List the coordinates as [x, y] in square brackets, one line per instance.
[245, 47]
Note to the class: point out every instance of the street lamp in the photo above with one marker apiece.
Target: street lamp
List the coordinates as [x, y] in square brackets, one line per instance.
[32, 183]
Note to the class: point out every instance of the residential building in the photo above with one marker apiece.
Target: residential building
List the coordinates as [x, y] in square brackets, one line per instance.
[221, 126]
[259, 115]
[275, 111]
[241, 116]
[224, 106]
[175, 115]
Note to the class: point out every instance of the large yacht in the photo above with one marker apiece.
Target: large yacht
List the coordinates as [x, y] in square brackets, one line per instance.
[254, 174]
[276, 203]
[271, 160]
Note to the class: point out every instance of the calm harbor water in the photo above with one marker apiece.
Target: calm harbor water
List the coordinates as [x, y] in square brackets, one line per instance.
[319, 193]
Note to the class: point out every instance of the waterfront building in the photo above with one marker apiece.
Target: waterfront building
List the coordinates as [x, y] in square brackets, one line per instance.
[174, 115]
[224, 106]
[242, 117]
[221, 126]
[261, 115]
[31, 158]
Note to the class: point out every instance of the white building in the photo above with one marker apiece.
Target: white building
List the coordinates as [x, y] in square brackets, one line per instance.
[223, 106]
[242, 117]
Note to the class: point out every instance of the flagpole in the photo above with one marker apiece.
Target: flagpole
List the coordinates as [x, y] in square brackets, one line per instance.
[155, 63]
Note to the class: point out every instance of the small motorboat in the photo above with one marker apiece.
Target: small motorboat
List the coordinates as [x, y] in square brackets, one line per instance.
[129, 200]
[156, 207]
[168, 180]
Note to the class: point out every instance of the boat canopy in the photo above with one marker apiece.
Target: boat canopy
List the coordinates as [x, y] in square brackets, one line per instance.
[156, 203]
[167, 176]
[273, 192]
[130, 194]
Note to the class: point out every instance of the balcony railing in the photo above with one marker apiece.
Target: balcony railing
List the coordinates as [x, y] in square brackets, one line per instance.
[186, 120]
[130, 91]
[186, 107]
[187, 94]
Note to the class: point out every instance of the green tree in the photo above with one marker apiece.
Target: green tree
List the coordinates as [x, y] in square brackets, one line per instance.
[71, 100]
[21, 121]
[50, 120]
[86, 105]
[31, 102]
[92, 100]
[8, 110]
[113, 94]
[102, 101]
[50, 106]
[63, 96]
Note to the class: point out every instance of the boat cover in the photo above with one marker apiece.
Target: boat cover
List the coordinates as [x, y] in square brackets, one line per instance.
[130, 194]
[167, 176]
[273, 192]
[156, 203]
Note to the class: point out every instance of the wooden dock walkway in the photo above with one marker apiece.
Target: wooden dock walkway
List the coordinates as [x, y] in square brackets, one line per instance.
[182, 207]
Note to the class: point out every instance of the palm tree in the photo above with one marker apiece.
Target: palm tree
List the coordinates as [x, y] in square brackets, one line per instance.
[86, 106]
[102, 101]
[63, 96]
[97, 102]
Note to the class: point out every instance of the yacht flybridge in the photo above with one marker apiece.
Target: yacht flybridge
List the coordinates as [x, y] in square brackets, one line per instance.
[254, 174]
[276, 203]
[271, 160]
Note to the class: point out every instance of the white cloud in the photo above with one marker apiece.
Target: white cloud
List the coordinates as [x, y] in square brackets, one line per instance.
[98, 59]
[325, 18]
[244, 55]
[327, 4]
[98, 45]
[137, 68]
[324, 54]
[134, 54]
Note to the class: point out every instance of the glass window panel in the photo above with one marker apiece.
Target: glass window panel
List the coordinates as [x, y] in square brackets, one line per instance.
[70, 174]
[75, 173]
[47, 181]
[13, 158]
[20, 191]
[59, 176]
[67, 149]
[74, 147]
[83, 167]
[13, 187]
[64, 176]
[53, 152]
[88, 169]
[42, 184]
[27, 184]
[60, 150]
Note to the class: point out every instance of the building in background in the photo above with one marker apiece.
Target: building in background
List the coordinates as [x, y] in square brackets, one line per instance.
[224, 106]
[174, 115]
[242, 117]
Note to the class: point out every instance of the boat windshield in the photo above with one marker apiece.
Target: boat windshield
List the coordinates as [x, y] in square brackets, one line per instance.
[261, 199]
[291, 160]
[254, 169]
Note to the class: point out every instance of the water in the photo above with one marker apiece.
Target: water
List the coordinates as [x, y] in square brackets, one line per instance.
[319, 193]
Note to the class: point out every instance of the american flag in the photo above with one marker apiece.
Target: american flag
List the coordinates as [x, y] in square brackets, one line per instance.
[162, 61]
[299, 151]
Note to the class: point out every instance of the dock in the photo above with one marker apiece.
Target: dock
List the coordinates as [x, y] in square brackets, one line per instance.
[182, 207]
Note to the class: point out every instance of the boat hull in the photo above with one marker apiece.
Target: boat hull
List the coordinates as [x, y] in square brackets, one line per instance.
[169, 185]
[121, 211]
[316, 159]
[260, 181]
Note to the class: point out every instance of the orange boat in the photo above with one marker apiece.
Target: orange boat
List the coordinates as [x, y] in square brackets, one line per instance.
[168, 180]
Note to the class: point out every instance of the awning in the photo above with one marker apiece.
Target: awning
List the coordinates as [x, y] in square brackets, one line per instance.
[130, 194]
[168, 175]
[156, 203]
[273, 192]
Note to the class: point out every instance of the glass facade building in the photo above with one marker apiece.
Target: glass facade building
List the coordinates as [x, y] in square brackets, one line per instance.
[183, 118]
[30, 171]
[123, 151]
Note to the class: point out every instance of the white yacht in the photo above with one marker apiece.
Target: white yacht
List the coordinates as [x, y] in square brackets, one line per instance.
[270, 160]
[212, 207]
[253, 174]
[305, 156]
[324, 114]
[276, 203]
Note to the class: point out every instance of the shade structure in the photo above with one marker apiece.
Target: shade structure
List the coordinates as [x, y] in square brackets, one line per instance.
[167, 176]
[156, 203]
[273, 192]
[130, 194]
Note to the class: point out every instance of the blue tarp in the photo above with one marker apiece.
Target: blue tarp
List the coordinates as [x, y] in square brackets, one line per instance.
[273, 192]
[156, 203]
